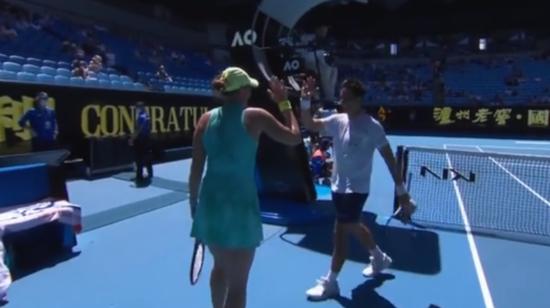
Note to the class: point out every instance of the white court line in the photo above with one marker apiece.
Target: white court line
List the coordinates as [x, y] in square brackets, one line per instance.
[526, 165]
[531, 190]
[533, 142]
[498, 147]
[487, 298]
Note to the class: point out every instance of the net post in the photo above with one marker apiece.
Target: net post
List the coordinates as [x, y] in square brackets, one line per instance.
[401, 159]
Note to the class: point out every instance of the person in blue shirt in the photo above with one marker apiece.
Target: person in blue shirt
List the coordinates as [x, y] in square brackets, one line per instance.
[141, 140]
[43, 124]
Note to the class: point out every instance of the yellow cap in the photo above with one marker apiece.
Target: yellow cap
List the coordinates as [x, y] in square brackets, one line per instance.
[235, 78]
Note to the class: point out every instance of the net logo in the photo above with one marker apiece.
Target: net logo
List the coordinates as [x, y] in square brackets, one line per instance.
[247, 38]
[448, 174]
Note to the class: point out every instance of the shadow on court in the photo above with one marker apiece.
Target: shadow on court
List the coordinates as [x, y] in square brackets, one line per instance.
[31, 266]
[365, 295]
[414, 251]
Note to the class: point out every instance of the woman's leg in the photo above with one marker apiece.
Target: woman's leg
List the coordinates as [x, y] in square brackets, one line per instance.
[237, 264]
[218, 281]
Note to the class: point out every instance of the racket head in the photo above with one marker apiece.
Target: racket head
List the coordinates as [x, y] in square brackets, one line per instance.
[293, 83]
[197, 261]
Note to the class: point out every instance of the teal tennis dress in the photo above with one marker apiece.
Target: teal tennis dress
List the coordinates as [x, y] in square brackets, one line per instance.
[228, 212]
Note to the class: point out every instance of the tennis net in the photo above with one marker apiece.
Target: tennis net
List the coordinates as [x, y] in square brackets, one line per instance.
[505, 195]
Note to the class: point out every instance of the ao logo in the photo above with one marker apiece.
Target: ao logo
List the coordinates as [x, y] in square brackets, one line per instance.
[291, 65]
[248, 38]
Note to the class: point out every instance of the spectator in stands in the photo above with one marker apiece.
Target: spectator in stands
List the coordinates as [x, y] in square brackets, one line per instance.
[80, 69]
[96, 64]
[43, 124]
[141, 141]
[163, 75]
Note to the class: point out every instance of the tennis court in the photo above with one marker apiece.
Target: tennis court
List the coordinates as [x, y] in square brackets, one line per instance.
[136, 248]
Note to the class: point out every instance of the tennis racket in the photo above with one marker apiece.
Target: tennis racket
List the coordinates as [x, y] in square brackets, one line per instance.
[197, 261]
[397, 213]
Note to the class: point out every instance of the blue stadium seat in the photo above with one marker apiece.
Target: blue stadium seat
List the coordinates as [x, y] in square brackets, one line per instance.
[92, 82]
[45, 78]
[64, 64]
[114, 77]
[104, 83]
[62, 80]
[48, 70]
[30, 68]
[128, 85]
[49, 63]
[116, 84]
[3, 57]
[102, 76]
[124, 78]
[64, 72]
[17, 59]
[7, 75]
[24, 76]
[139, 86]
[77, 81]
[34, 61]
[12, 66]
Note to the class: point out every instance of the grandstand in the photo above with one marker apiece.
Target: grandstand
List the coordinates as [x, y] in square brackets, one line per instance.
[42, 49]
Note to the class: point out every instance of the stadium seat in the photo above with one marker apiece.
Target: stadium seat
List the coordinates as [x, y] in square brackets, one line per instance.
[116, 84]
[3, 57]
[77, 81]
[24, 76]
[128, 85]
[17, 59]
[124, 78]
[49, 63]
[34, 61]
[48, 70]
[102, 76]
[7, 75]
[104, 83]
[45, 78]
[114, 77]
[64, 64]
[12, 66]
[64, 80]
[92, 82]
[30, 68]
[64, 72]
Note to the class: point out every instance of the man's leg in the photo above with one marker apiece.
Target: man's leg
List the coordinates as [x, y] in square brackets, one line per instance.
[138, 150]
[379, 259]
[327, 286]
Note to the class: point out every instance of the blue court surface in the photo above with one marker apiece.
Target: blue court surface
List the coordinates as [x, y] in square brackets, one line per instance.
[136, 249]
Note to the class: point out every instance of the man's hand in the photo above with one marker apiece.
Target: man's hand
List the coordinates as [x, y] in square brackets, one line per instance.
[408, 207]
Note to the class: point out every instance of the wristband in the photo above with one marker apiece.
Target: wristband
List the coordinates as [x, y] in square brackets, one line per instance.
[305, 104]
[285, 105]
[401, 190]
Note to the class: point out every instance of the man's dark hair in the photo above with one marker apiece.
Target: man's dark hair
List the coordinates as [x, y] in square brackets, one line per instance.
[355, 86]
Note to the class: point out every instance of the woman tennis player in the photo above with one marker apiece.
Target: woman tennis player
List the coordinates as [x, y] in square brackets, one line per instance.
[225, 203]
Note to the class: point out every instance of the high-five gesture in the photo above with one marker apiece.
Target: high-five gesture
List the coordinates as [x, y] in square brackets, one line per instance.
[277, 90]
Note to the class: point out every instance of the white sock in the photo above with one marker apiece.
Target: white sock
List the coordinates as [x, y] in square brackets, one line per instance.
[377, 253]
[332, 276]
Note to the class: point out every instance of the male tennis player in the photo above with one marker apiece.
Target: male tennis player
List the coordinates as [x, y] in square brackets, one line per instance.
[355, 136]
